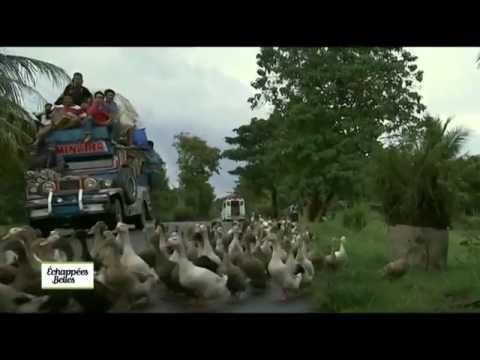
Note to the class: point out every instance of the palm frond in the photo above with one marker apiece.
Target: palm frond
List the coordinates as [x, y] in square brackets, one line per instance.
[19, 75]
[419, 179]
[13, 137]
[455, 140]
[445, 126]
[27, 70]
[14, 90]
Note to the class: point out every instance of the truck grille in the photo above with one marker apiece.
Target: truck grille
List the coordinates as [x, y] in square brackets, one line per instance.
[69, 185]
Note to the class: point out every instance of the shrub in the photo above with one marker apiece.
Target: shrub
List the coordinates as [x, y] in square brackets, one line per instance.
[417, 181]
[184, 214]
[265, 211]
[356, 217]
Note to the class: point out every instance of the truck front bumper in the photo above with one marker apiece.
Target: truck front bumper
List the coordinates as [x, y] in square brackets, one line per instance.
[68, 205]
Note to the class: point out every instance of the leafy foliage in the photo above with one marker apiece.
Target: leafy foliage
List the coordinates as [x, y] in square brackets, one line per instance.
[184, 213]
[197, 162]
[254, 145]
[164, 199]
[356, 217]
[418, 180]
[330, 108]
[19, 74]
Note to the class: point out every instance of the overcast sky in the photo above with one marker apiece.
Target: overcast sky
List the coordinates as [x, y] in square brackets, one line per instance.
[205, 90]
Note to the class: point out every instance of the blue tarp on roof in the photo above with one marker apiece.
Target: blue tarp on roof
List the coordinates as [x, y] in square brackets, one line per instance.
[76, 135]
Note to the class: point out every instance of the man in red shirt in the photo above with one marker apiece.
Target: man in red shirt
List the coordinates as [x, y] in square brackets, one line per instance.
[98, 116]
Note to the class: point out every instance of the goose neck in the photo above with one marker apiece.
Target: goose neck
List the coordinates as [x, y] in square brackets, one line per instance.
[125, 241]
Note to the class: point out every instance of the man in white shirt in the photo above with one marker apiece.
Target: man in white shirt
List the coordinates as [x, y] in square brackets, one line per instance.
[44, 118]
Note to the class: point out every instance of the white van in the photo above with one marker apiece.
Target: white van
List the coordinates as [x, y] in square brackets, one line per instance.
[233, 208]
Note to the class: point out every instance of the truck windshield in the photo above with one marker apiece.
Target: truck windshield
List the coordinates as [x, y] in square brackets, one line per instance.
[95, 163]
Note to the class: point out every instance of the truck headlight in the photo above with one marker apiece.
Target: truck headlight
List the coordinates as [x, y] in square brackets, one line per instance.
[107, 183]
[48, 186]
[89, 183]
[33, 189]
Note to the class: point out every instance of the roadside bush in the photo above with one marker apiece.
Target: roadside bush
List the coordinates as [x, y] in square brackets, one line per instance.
[184, 214]
[265, 211]
[355, 218]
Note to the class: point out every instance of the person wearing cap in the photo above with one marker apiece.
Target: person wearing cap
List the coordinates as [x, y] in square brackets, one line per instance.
[76, 90]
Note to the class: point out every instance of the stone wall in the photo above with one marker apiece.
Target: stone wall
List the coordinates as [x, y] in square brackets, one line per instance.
[426, 247]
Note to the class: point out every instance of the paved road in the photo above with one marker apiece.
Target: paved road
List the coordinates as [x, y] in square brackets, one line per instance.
[267, 301]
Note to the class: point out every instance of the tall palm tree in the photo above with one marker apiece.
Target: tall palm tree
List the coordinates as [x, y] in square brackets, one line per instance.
[19, 75]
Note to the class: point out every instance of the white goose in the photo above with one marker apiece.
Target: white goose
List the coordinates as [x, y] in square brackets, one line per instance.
[98, 238]
[283, 274]
[219, 241]
[203, 282]
[305, 263]
[235, 249]
[162, 242]
[341, 255]
[269, 244]
[206, 249]
[130, 259]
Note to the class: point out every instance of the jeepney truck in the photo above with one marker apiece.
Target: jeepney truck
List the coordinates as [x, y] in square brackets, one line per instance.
[100, 180]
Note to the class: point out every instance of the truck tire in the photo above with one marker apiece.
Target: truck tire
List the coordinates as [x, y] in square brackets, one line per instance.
[140, 220]
[128, 183]
[117, 214]
[43, 227]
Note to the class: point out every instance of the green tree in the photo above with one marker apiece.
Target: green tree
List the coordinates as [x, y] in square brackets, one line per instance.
[469, 187]
[197, 162]
[164, 199]
[18, 75]
[419, 180]
[332, 105]
[253, 146]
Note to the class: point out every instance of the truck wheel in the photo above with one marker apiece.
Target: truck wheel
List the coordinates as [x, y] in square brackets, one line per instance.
[43, 227]
[117, 214]
[140, 220]
[129, 185]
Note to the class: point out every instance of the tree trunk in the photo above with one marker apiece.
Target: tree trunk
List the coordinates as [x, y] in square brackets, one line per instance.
[326, 205]
[313, 207]
[274, 196]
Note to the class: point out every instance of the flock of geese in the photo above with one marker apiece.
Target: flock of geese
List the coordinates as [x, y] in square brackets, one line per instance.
[201, 262]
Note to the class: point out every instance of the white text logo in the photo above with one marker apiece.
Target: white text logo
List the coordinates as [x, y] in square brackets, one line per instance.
[70, 275]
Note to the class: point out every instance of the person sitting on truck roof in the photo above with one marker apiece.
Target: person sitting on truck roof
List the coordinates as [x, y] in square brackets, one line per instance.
[110, 105]
[68, 115]
[113, 111]
[97, 115]
[76, 90]
[44, 118]
[63, 116]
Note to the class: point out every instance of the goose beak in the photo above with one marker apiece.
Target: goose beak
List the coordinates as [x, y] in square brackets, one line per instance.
[52, 239]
